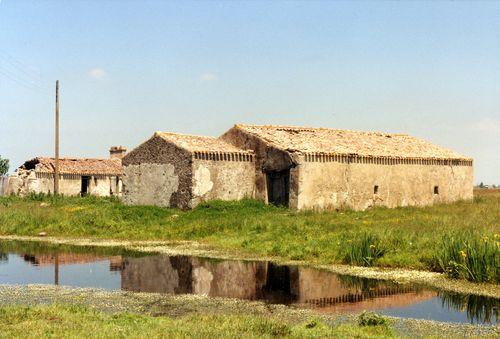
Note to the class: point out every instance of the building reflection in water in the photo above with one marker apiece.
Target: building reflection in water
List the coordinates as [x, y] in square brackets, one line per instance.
[251, 280]
[261, 280]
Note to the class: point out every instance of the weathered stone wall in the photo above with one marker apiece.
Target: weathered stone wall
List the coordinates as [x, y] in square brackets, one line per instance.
[267, 158]
[325, 185]
[28, 181]
[157, 173]
[222, 179]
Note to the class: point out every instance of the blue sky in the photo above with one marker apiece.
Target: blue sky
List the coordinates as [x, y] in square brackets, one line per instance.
[127, 69]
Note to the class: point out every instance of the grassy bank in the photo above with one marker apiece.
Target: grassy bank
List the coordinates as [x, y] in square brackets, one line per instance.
[74, 321]
[402, 237]
[42, 311]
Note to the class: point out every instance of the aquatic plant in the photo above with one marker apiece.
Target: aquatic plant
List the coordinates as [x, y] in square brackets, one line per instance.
[364, 250]
[470, 256]
[371, 319]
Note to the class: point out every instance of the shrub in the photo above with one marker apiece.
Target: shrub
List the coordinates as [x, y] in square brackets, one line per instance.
[363, 251]
[470, 256]
[371, 319]
[4, 166]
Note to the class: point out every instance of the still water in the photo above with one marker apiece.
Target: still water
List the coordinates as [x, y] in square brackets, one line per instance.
[295, 286]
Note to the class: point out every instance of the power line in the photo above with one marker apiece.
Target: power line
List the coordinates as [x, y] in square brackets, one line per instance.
[20, 82]
[16, 63]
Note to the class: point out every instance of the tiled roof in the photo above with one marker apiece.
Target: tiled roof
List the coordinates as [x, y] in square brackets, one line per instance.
[83, 166]
[196, 143]
[335, 141]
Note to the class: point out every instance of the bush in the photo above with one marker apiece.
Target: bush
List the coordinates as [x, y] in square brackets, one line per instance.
[371, 319]
[4, 166]
[363, 251]
[470, 256]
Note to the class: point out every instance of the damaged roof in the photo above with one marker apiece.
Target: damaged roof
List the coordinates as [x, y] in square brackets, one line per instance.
[83, 166]
[336, 141]
[196, 143]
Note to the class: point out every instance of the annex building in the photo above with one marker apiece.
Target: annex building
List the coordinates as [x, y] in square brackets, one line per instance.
[177, 170]
[298, 167]
[77, 176]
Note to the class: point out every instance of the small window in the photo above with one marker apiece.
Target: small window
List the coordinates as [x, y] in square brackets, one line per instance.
[375, 189]
[436, 189]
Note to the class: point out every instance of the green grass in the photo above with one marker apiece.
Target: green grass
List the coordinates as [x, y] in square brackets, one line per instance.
[364, 250]
[410, 237]
[467, 256]
[76, 321]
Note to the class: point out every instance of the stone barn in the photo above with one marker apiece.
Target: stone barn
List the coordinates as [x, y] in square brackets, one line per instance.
[321, 168]
[176, 170]
[77, 176]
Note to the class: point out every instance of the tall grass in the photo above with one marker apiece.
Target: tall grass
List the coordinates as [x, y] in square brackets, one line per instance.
[470, 256]
[407, 237]
[364, 250]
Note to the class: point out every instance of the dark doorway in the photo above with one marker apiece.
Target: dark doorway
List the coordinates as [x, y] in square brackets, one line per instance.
[278, 187]
[85, 186]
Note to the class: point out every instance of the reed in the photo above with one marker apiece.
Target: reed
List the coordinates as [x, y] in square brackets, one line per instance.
[470, 256]
[364, 250]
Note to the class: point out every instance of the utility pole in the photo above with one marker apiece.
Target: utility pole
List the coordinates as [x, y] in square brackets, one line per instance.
[56, 169]
[56, 270]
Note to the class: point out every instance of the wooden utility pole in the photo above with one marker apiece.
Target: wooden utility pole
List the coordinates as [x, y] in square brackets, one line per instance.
[56, 270]
[56, 169]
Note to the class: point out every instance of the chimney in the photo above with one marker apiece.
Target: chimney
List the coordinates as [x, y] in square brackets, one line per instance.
[117, 152]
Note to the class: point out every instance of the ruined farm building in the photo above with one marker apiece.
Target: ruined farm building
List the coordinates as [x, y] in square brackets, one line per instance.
[176, 170]
[322, 168]
[77, 176]
[298, 167]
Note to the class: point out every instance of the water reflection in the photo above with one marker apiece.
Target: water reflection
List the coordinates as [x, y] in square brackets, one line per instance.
[479, 308]
[291, 285]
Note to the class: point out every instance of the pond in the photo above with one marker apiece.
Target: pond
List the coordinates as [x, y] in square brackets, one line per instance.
[295, 286]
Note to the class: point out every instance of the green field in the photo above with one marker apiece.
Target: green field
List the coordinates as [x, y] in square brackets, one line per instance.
[408, 237]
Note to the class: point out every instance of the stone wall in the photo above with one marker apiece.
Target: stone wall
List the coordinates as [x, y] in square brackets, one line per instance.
[157, 173]
[28, 181]
[267, 158]
[222, 179]
[160, 173]
[326, 185]
[331, 182]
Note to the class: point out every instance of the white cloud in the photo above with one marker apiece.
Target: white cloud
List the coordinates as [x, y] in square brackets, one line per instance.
[487, 125]
[206, 77]
[97, 73]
